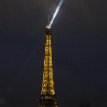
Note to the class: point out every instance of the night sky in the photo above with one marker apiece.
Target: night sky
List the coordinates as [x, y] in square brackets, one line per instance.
[79, 52]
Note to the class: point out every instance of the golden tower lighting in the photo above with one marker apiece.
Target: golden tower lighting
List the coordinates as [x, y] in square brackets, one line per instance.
[48, 98]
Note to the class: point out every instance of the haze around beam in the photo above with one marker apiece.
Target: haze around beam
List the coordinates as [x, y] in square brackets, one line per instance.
[55, 13]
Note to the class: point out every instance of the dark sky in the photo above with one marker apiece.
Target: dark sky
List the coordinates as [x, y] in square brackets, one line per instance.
[79, 52]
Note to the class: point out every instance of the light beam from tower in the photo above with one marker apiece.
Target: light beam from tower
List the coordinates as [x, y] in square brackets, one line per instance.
[54, 15]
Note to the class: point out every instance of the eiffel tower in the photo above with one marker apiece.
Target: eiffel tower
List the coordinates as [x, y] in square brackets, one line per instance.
[48, 98]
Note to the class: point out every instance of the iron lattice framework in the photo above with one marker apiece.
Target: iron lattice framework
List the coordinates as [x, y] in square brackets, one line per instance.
[48, 93]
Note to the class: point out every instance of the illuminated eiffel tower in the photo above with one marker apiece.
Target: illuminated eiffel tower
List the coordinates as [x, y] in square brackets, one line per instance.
[48, 98]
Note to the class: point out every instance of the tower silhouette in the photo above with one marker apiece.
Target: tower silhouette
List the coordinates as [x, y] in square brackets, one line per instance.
[48, 98]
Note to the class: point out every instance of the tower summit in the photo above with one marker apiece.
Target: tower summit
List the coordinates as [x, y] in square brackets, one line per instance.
[48, 98]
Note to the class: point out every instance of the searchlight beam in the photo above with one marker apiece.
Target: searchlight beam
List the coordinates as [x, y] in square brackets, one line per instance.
[54, 15]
